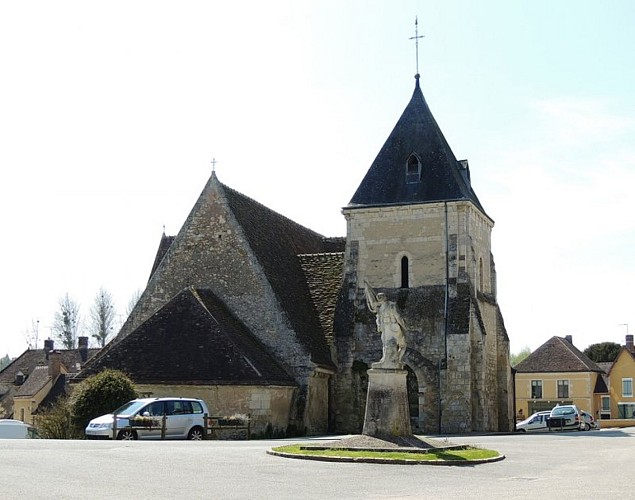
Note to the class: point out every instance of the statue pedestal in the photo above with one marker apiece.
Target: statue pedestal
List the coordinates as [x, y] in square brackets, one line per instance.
[387, 410]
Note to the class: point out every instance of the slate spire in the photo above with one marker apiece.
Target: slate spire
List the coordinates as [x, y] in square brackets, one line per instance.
[416, 164]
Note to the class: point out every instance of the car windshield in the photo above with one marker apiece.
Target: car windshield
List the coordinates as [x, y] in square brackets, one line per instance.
[130, 407]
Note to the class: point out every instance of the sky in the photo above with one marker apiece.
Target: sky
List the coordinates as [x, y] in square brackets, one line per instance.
[112, 112]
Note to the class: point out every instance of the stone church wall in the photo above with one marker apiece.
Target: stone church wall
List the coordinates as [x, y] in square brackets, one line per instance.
[268, 406]
[377, 240]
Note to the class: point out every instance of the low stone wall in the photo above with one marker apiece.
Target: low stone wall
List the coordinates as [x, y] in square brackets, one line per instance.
[616, 422]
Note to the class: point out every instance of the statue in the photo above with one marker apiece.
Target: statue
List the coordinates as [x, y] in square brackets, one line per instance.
[390, 325]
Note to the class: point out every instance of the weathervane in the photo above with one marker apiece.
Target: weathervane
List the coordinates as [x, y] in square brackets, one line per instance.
[416, 39]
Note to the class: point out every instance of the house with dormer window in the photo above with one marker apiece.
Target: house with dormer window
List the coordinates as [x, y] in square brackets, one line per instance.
[559, 373]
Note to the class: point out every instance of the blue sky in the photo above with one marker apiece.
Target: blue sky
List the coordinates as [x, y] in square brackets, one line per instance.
[111, 112]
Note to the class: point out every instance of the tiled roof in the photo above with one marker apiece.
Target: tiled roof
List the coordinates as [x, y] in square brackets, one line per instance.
[324, 274]
[31, 358]
[557, 355]
[27, 363]
[193, 339]
[164, 245]
[277, 241]
[36, 381]
[442, 176]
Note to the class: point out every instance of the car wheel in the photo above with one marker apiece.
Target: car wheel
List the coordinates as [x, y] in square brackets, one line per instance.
[587, 426]
[195, 434]
[127, 435]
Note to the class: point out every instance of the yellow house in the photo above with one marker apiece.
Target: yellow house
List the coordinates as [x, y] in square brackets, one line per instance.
[37, 377]
[37, 387]
[619, 403]
[558, 373]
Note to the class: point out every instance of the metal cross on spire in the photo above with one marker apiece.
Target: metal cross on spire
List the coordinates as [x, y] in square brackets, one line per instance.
[416, 39]
[213, 162]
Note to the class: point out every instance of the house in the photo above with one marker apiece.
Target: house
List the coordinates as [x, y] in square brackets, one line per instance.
[38, 377]
[558, 373]
[257, 314]
[619, 403]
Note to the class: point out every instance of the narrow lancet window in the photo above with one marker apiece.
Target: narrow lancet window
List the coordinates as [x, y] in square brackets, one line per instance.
[404, 272]
[413, 169]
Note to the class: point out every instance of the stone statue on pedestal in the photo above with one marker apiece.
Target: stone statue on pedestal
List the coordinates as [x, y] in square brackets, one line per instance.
[387, 411]
[390, 325]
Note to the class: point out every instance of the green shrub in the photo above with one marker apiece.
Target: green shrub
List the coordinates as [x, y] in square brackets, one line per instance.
[100, 394]
[55, 422]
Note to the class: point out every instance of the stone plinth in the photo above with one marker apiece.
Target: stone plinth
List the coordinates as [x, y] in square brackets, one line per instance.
[387, 410]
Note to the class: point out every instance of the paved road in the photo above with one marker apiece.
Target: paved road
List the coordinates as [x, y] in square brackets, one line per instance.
[575, 465]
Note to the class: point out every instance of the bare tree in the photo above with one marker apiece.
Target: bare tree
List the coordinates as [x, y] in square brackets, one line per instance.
[66, 322]
[133, 302]
[102, 315]
[32, 335]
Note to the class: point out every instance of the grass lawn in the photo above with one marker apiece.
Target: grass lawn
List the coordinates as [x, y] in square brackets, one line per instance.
[464, 454]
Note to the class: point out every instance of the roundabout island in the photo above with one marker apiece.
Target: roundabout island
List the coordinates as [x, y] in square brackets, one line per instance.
[401, 450]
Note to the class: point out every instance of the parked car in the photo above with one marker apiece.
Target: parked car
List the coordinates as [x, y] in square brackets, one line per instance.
[588, 422]
[184, 419]
[536, 422]
[16, 429]
[565, 417]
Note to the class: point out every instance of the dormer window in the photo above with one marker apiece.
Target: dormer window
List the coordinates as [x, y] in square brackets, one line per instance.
[413, 169]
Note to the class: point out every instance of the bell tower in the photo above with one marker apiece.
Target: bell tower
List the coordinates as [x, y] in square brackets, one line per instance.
[417, 231]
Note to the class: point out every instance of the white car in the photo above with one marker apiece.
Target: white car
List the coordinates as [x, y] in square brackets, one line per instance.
[16, 429]
[536, 422]
[184, 419]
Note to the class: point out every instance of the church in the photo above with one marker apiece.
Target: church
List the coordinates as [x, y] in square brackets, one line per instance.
[261, 316]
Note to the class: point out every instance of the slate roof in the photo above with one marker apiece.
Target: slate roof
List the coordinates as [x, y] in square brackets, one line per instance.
[193, 339]
[557, 355]
[442, 176]
[277, 242]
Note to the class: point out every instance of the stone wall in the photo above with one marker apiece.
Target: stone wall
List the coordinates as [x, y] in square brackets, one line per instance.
[269, 406]
[461, 369]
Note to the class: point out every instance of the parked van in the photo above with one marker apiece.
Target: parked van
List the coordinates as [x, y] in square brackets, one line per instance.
[16, 429]
[184, 419]
[537, 422]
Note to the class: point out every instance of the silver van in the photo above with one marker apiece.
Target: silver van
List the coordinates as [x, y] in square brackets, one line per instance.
[143, 419]
[537, 422]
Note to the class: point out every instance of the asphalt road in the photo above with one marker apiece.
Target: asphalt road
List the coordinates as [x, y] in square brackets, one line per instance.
[576, 465]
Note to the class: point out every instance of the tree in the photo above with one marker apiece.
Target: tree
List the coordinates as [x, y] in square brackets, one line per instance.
[99, 395]
[32, 335]
[5, 361]
[516, 358]
[603, 352]
[55, 422]
[133, 302]
[102, 315]
[66, 322]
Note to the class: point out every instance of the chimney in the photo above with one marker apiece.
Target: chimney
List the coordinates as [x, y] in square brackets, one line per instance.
[82, 347]
[629, 342]
[55, 364]
[569, 339]
[48, 347]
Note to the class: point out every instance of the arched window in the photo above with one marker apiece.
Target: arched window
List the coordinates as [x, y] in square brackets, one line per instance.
[404, 272]
[480, 275]
[413, 169]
